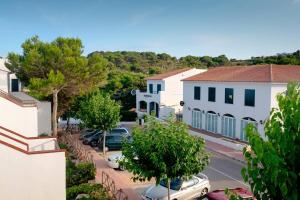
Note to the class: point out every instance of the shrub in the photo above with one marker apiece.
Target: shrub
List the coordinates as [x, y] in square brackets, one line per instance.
[81, 173]
[62, 145]
[95, 191]
[128, 115]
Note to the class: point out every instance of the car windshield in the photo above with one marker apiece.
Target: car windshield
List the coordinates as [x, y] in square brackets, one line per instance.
[174, 185]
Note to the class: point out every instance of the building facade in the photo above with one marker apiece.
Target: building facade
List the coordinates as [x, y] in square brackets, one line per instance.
[224, 100]
[32, 167]
[164, 93]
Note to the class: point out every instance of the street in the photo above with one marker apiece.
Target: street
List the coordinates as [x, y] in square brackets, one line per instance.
[222, 172]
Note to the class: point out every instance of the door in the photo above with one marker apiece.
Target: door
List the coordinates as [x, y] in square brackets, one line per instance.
[196, 119]
[228, 126]
[211, 122]
[244, 123]
[14, 85]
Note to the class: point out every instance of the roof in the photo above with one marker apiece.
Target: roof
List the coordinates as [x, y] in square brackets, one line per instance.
[255, 73]
[168, 74]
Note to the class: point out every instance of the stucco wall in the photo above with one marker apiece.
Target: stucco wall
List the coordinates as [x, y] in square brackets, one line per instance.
[259, 112]
[20, 119]
[3, 81]
[277, 88]
[31, 177]
[44, 117]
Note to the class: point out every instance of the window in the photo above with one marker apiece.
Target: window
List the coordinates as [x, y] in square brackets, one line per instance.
[197, 91]
[151, 88]
[158, 88]
[229, 95]
[249, 97]
[212, 94]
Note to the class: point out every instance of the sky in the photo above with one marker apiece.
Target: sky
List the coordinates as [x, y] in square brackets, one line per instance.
[237, 28]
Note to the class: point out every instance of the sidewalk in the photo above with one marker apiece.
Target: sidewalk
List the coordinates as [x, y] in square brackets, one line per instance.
[229, 149]
[121, 180]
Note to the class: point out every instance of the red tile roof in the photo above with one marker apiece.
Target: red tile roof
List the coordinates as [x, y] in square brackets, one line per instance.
[255, 73]
[168, 74]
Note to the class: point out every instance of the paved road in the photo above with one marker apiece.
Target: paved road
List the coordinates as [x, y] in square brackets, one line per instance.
[222, 172]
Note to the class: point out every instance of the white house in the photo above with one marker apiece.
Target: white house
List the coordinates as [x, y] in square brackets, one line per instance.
[164, 93]
[32, 167]
[224, 100]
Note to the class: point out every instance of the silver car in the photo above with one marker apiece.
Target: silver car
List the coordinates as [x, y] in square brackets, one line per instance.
[195, 187]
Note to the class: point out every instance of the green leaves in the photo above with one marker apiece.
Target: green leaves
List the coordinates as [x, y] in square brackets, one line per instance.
[273, 165]
[164, 150]
[99, 111]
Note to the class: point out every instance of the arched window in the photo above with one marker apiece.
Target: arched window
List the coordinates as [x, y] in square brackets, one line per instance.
[154, 108]
[228, 125]
[211, 122]
[197, 118]
[244, 122]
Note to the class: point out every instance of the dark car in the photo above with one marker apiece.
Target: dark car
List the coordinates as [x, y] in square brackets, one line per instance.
[93, 139]
[121, 130]
[86, 133]
[114, 141]
[220, 194]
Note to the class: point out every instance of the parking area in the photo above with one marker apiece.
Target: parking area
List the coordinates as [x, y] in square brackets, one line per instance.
[222, 172]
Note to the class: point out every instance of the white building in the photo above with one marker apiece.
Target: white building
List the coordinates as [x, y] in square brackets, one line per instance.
[32, 167]
[224, 100]
[164, 93]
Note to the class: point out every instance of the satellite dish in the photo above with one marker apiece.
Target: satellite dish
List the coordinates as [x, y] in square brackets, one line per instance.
[133, 92]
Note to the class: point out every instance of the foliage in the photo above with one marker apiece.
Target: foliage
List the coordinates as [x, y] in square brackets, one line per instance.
[95, 191]
[128, 115]
[99, 111]
[57, 67]
[273, 165]
[80, 173]
[164, 151]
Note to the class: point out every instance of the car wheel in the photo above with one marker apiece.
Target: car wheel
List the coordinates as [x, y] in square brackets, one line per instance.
[204, 191]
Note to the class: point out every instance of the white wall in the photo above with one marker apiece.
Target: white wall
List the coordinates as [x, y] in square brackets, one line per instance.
[22, 120]
[3, 81]
[31, 177]
[170, 96]
[44, 117]
[259, 112]
[277, 88]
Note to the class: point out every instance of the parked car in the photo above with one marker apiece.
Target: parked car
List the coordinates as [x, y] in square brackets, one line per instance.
[180, 189]
[86, 133]
[113, 160]
[120, 130]
[220, 194]
[114, 141]
[93, 139]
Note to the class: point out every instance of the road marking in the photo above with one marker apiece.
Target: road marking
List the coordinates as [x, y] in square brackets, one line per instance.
[228, 176]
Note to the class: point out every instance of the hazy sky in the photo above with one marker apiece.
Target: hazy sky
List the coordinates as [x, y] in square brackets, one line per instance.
[236, 28]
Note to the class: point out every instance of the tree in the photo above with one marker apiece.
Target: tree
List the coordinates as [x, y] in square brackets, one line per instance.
[164, 151]
[273, 165]
[100, 112]
[57, 67]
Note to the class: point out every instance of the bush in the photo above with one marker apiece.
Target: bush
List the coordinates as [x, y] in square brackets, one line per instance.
[62, 145]
[95, 191]
[78, 174]
[128, 116]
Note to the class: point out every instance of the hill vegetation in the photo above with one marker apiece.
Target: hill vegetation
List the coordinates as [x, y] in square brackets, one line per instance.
[128, 70]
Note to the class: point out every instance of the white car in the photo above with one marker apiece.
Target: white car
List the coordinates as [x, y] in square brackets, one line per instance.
[195, 187]
[113, 160]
